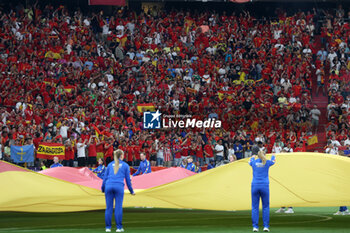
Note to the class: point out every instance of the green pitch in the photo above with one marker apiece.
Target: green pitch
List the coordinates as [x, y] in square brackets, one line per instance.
[165, 220]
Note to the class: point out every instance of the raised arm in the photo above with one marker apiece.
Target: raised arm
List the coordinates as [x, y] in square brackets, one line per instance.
[251, 161]
[105, 178]
[128, 181]
[271, 161]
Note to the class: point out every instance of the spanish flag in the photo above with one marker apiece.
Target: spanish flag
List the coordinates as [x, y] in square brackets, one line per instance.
[69, 88]
[312, 140]
[97, 131]
[191, 90]
[221, 94]
[146, 107]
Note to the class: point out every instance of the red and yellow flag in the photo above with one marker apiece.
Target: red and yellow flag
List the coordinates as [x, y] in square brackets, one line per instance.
[69, 88]
[48, 150]
[146, 107]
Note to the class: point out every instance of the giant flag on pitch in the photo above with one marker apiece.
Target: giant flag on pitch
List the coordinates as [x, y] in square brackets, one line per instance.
[22, 154]
[326, 184]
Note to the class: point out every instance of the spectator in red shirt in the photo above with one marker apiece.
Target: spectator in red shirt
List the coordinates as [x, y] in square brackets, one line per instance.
[92, 151]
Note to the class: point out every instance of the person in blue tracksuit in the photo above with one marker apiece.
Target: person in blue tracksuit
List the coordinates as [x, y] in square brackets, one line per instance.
[100, 170]
[184, 163]
[211, 164]
[260, 189]
[56, 163]
[190, 166]
[198, 169]
[144, 167]
[113, 187]
[343, 210]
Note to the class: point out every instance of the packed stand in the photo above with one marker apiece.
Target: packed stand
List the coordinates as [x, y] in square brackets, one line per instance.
[333, 68]
[76, 79]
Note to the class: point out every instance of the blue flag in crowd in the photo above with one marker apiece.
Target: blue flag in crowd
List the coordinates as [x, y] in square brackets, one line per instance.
[22, 154]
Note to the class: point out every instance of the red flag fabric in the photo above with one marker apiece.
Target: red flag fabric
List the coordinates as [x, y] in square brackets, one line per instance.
[96, 129]
[107, 2]
[160, 177]
[107, 133]
[82, 176]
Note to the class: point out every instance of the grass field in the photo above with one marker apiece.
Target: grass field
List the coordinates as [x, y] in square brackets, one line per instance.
[165, 220]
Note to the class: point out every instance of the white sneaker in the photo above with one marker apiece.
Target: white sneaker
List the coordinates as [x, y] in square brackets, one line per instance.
[120, 230]
[289, 211]
[280, 210]
[108, 230]
[346, 212]
[266, 229]
[338, 213]
[255, 229]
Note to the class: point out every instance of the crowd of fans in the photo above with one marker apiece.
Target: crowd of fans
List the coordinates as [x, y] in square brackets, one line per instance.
[332, 66]
[65, 76]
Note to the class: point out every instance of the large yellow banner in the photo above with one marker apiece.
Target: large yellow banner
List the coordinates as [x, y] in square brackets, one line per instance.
[297, 179]
[49, 150]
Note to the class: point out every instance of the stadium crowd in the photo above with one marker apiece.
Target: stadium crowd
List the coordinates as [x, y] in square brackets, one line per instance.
[78, 79]
[332, 69]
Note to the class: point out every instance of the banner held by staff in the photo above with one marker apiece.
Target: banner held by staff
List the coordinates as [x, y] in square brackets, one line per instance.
[22, 154]
[48, 150]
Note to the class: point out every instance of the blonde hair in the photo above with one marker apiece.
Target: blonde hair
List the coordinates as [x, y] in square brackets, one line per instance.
[117, 154]
[262, 156]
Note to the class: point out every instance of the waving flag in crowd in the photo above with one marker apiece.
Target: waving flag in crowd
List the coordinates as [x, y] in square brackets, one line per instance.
[22, 154]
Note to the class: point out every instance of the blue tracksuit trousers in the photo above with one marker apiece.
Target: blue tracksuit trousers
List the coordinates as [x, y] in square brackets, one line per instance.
[115, 191]
[260, 191]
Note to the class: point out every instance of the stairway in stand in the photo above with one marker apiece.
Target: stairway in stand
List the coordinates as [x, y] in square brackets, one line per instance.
[322, 102]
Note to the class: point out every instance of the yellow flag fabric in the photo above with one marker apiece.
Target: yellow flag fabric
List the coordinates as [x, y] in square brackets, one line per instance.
[34, 192]
[254, 125]
[312, 140]
[297, 179]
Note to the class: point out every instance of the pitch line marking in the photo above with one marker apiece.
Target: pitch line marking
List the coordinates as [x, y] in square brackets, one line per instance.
[34, 229]
[325, 218]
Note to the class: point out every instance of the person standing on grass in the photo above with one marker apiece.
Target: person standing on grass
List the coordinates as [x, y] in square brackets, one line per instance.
[113, 187]
[343, 210]
[260, 189]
